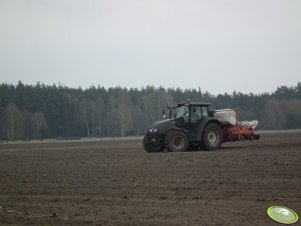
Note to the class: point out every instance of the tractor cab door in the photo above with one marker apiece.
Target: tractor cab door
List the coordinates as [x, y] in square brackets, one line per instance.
[198, 113]
[182, 116]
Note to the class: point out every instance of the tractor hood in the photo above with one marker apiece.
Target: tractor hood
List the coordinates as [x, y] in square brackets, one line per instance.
[162, 127]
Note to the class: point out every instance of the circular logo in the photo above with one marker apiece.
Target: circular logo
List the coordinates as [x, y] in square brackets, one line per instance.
[282, 214]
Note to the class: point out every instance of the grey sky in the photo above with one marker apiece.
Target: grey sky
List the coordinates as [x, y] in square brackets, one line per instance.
[218, 45]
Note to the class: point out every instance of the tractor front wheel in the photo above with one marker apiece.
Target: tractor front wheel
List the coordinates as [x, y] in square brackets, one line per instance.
[177, 141]
[152, 145]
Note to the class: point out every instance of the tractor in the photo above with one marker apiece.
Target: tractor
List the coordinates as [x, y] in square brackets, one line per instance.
[192, 125]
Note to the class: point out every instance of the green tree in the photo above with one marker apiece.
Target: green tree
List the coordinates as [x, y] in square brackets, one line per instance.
[274, 116]
[13, 122]
[100, 108]
[112, 120]
[29, 126]
[125, 112]
[42, 130]
[292, 111]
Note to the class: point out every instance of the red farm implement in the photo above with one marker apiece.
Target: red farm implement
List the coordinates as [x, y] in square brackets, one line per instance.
[234, 130]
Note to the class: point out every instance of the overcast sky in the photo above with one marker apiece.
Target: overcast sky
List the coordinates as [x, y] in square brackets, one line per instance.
[217, 45]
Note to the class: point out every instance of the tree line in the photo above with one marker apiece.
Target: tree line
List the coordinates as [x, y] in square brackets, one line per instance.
[50, 111]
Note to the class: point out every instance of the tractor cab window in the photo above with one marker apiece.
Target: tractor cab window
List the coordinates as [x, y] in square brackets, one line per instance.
[199, 112]
[196, 113]
[205, 111]
[181, 111]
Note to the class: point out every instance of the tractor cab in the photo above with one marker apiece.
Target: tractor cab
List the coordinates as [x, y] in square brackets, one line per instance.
[189, 115]
[190, 112]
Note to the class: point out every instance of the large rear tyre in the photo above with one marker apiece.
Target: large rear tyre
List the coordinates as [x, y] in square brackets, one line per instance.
[151, 146]
[212, 137]
[177, 141]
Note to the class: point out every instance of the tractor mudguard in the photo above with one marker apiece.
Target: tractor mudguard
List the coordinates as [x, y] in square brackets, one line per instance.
[202, 125]
[182, 130]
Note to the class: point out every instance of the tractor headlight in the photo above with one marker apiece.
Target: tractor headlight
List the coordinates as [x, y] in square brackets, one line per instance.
[153, 130]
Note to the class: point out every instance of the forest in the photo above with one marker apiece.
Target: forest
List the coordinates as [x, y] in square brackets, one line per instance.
[55, 111]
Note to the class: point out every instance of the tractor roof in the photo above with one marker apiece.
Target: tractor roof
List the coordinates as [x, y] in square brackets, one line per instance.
[192, 103]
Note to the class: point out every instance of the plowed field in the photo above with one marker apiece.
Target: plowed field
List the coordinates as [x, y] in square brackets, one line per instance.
[115, 182]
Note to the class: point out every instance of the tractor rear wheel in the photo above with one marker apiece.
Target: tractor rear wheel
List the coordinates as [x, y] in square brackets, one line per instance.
[151, 146]
[177, 141]
[212, 137]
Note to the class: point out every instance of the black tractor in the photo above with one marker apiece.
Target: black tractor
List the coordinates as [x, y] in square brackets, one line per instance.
[189, 126]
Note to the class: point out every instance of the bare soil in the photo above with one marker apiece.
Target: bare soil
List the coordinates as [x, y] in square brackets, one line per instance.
[115, 182]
